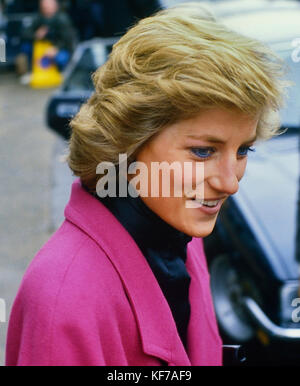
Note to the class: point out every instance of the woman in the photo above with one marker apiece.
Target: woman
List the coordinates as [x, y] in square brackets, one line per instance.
[124, 281]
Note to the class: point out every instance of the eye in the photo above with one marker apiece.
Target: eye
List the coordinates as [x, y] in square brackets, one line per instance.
[202, 152]
[244, 150]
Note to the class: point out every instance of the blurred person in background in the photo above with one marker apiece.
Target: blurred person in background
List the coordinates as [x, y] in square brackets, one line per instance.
[52, 25]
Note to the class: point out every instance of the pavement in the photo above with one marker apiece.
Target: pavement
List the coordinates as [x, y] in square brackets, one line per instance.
[34, 185]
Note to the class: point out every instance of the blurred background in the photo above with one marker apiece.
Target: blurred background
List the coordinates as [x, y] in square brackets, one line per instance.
[51, 49]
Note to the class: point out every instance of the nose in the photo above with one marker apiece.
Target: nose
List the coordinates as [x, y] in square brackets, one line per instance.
[225, 178]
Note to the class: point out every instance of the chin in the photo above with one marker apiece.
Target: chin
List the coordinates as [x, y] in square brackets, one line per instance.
[202, 230]
[200, 234]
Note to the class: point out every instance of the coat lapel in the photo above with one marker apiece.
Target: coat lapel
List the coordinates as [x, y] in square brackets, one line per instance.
[153, 315]
[204, 342]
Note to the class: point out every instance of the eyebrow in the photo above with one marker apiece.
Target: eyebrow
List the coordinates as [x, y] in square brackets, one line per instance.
[211, 139]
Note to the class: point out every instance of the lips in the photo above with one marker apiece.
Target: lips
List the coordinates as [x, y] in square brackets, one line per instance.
[210, 206]
[211, 202]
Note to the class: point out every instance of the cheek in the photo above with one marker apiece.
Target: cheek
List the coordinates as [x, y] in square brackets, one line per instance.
[241, 169]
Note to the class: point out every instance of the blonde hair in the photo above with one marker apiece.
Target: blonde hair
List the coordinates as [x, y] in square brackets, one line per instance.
[166, 68]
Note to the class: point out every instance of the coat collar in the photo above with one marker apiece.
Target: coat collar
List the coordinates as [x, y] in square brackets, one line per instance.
[155, 320]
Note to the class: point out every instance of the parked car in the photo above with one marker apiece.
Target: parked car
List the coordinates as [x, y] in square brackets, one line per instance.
[251, 253]
[78, 85]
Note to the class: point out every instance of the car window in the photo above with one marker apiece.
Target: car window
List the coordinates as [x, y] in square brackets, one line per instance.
[290, 114]
[92, 57]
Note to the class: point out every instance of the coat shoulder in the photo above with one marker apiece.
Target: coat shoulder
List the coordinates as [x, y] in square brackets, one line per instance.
[69, 299]
[71, 265]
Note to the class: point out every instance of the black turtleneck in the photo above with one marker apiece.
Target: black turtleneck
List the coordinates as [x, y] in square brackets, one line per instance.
[164, 247]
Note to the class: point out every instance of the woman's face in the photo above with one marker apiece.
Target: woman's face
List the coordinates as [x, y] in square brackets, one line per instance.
[218, 140]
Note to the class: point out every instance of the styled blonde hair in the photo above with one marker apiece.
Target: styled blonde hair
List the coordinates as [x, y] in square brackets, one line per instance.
[167, 68]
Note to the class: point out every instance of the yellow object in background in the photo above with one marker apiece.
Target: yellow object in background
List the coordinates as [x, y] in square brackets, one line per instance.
[44, 73]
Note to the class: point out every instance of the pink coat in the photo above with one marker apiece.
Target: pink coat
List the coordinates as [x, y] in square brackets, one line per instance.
[89, 297]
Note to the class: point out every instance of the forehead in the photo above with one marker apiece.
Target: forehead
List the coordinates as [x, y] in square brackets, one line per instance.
[217, 122]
